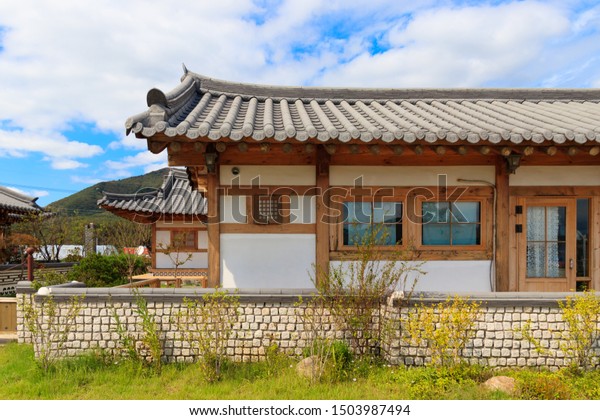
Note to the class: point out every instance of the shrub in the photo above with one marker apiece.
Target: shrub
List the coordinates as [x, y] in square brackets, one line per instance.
[45, 278]
[49, 328]
[97, 270]
[445, 328]
[356, 290]
[542, 386]
[207, 324]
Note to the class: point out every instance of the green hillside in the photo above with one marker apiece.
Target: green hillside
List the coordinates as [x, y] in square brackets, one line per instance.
[83, 203]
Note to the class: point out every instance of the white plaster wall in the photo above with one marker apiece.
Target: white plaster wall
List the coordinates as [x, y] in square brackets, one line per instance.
[449, 276]
[179, 224]
[303, 209]
[267, 260]
[198, 260]
[233, 209]
[555, 175]
[163, 238]
[408, 176]
[202, 239]
[269, 174]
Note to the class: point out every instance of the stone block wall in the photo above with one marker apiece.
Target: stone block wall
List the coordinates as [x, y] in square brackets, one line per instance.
[274, 316]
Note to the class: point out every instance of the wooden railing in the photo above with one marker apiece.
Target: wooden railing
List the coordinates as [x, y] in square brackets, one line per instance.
[157, 281]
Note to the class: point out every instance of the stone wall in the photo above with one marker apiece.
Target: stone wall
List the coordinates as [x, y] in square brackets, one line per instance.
[11, 275]
[274, 316]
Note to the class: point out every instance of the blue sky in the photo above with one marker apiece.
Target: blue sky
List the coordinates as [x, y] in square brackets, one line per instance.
[71, 72]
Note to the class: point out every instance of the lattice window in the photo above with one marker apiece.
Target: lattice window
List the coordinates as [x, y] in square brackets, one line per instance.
[268, 209]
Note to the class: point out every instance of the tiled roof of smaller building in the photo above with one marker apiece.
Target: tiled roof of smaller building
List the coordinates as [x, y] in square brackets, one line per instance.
[208, 109]
[175, 197]
[14, 204]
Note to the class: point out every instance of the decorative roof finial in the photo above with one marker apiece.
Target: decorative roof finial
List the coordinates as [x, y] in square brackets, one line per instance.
[185, 70]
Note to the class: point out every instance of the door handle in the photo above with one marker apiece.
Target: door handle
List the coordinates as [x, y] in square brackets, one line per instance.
[571, 263]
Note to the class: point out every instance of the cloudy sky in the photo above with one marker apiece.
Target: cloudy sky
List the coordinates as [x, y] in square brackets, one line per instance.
[72, 71]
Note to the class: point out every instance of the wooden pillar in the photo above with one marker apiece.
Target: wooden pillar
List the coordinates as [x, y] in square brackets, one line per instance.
[214, 231]
[322, 214]
[502, 226]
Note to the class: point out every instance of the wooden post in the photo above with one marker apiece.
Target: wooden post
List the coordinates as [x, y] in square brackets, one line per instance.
[322, 213]
[214, 231]
[30, 252]
[502, 226]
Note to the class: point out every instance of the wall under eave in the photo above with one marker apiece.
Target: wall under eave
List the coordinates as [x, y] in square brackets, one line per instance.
[267, 260]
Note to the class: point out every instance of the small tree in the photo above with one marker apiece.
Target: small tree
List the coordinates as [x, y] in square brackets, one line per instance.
[207, 325]
[175, 252]
[51, 231]
[357, 289]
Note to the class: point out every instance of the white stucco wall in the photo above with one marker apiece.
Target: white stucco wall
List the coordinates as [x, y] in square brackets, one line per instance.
[267, 260]
[303, 209]
[269, 174]
[198, 260]
[233, 209]
[555, 175]
[449, 276]
[408, 176]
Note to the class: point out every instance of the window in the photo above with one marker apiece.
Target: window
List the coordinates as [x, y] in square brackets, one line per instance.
[451, 223]
[184, 239]
[267, 209]
[362, 219]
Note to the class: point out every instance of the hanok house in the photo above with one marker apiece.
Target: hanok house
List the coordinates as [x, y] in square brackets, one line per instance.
[177, 213]
[495, 189]
[14, 207]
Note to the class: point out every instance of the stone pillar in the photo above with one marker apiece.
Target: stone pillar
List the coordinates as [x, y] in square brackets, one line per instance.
[89, 242]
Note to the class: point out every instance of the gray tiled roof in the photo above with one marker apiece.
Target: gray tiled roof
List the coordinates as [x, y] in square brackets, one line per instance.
[201, 107]
[175, 197]
[12, 202]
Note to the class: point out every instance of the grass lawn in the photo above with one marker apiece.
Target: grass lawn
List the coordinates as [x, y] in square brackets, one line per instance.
[92, 377]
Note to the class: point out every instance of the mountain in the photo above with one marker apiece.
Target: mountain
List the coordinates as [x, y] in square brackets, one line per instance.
[83, 203]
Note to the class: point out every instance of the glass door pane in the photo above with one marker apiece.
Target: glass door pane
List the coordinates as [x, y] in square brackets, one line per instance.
[546, 241]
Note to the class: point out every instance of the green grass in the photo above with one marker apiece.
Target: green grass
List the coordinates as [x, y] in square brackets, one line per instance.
[93, 377]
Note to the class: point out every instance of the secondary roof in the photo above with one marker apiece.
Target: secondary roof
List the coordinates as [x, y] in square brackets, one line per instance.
[208, 109]
[175, 197]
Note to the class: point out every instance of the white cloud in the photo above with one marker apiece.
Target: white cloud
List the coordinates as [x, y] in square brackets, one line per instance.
[146, 160]
[30, 193]
[57, 149]
[470, 46]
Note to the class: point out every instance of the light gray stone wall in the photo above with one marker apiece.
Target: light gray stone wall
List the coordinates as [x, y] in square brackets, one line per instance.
[274, 316]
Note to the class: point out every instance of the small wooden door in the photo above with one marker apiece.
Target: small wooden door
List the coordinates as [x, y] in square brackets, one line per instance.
[547, 245]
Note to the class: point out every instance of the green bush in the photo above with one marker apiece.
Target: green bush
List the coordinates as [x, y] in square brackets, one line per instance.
[542, 386]
[97, 270]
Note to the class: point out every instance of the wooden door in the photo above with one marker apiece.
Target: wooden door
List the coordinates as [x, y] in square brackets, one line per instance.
[547, 245]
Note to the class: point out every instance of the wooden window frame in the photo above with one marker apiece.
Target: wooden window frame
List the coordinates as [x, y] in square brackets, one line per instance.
[372, 200]
[483, 225]
[174, 232]
[412, 226]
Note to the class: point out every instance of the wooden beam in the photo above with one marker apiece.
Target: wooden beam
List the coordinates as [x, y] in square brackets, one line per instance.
[398, 150]
[330, 148]
[572, 151]
[322, 215]
[440, 150]
[505, 151]
[528, 151]
[502, 227]
[418, 150]
[485, 150]
[551, 151]
[221, 147]
[243, 147]
[354, 149]
[287, 148]
[214, 231]
[462, 150]
[375, 149]
[595, 151]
